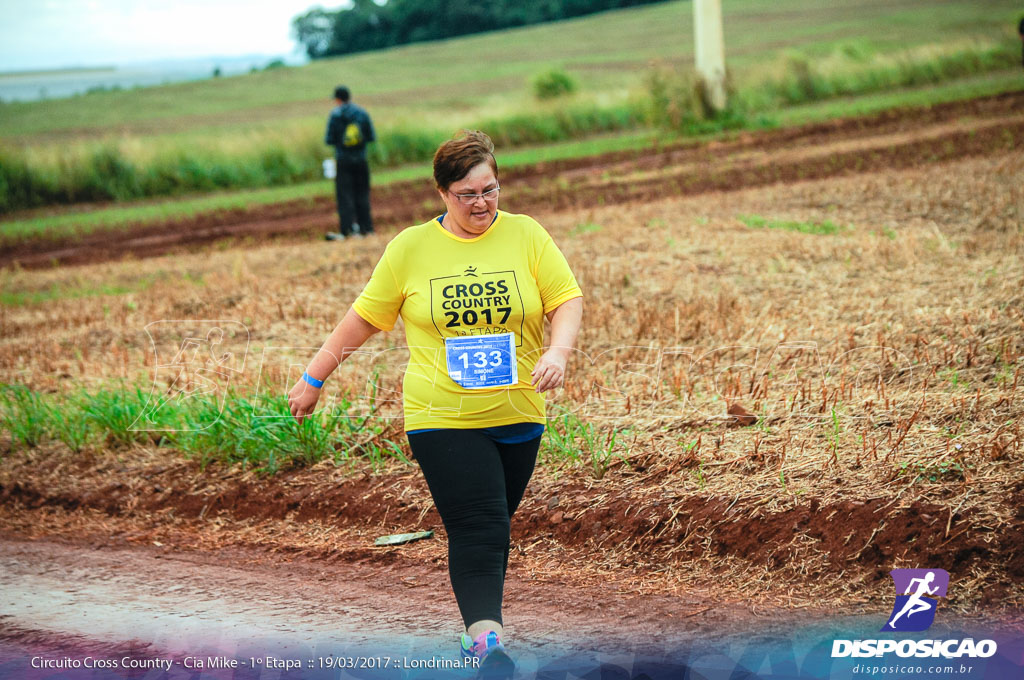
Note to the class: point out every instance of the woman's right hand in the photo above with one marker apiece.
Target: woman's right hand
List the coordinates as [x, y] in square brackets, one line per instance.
[347, 337]
[302, 399]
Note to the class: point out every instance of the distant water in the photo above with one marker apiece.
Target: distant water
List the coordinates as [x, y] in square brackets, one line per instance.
[36, 85]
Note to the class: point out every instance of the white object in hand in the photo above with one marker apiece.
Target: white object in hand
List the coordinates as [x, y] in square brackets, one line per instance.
[330, 168]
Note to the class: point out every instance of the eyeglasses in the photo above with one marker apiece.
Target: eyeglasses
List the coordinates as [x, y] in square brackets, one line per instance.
[470, 199]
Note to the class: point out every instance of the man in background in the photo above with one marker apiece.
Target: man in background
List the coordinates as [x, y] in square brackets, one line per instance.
[1020, 31]
[349, 130]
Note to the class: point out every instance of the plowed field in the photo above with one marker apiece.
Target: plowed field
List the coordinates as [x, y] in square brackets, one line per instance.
[883, 254]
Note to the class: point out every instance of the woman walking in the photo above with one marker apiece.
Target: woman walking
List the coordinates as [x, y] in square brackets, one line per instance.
[473, 287]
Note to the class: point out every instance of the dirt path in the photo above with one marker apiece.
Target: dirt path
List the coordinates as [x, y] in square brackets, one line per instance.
[135, 552]
[67, 595]
[894, 139]
[147, 605]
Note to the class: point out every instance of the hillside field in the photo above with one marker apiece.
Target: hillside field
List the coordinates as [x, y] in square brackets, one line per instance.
[629, 66]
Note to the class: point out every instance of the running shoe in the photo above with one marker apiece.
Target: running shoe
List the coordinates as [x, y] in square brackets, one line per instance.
[494, 663]
[484, 643]
[466, 644]
[497, 665]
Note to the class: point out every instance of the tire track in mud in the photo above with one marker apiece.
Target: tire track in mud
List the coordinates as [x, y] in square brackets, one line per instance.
[897, 139]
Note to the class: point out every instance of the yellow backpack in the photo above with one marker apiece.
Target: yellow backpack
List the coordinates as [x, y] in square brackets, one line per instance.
[353, 135]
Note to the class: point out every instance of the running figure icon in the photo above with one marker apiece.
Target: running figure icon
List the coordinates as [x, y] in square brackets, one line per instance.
[917, 593]
[915, 604]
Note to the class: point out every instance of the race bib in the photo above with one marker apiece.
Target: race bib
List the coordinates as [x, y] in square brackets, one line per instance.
[480, 361]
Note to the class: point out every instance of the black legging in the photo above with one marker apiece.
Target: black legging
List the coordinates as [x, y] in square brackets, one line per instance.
[476, 485]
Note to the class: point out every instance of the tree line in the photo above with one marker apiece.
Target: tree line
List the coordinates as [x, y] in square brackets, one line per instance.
[370, 26]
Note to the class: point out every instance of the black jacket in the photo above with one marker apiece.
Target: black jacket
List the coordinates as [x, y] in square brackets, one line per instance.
[339, 121]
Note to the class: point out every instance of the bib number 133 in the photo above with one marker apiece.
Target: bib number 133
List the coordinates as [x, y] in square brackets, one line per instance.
[482, 361]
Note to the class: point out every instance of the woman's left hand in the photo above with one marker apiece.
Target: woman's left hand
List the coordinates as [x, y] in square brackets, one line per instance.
[550, 370]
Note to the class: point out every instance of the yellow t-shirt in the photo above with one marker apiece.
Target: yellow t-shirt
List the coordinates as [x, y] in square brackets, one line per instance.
[444, 286]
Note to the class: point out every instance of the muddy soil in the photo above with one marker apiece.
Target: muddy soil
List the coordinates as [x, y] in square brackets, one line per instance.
[94, 592]
[227, 550]
[630, 516]
[67, 598]
[893, 139]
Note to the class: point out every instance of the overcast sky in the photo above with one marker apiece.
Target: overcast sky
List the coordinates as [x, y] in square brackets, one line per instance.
[58, 33]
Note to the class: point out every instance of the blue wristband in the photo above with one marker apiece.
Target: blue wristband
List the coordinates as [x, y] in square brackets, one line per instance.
[311, 380]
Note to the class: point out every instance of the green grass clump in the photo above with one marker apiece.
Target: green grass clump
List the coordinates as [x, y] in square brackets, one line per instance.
[226, 428]
[570, 440]
[107, 174]
[677, 99]
[24, 415]
[20, 184]
[118, 415]
[55, 292]
[806, 81]
[67, 422]
[824, 228]
[563, 123]
[263, 435]
[31, 417]
[984, 85]
[60, 227]
[399, 146]
[553, 84]
[585, 228]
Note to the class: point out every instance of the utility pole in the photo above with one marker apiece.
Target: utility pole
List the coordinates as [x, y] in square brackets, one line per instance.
[709, 49]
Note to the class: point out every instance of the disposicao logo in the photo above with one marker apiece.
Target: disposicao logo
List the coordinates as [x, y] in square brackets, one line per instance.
[917, 591]
[915, 608]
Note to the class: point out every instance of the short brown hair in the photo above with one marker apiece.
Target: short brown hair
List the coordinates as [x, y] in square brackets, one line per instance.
[456, 157]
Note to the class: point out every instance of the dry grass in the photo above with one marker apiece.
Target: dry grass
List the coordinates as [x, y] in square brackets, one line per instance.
[928, 268]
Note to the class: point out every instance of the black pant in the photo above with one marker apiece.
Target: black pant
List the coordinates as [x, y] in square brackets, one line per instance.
[352, 192]
[477, 485]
